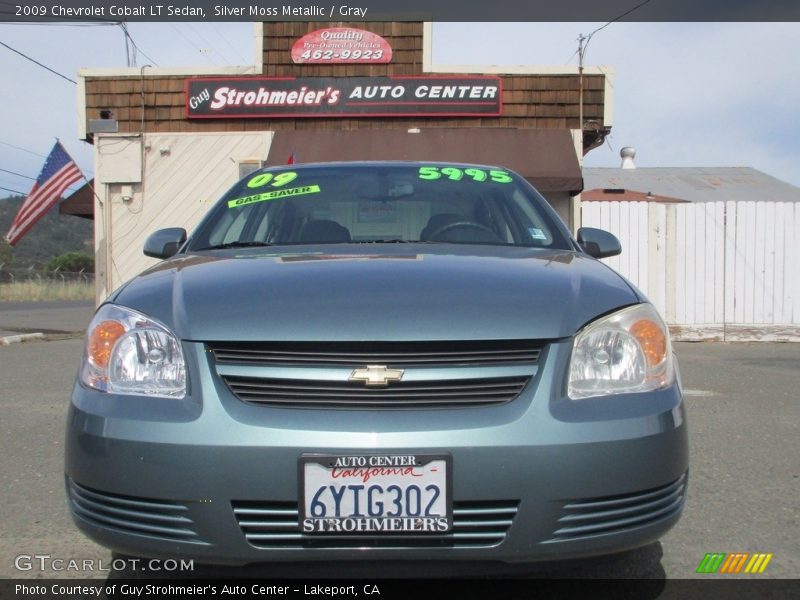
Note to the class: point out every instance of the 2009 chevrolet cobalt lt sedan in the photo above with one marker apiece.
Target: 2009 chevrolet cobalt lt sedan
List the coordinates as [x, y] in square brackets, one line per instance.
[377, 361]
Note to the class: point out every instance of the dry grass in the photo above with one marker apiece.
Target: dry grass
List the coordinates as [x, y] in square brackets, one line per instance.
[46, 291]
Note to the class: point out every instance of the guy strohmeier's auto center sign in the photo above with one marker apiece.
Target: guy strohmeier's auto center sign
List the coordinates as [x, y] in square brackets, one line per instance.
[271, 97]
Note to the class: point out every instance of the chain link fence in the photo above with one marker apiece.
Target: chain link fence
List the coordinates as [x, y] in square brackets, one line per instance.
[8, 275]
[42, 285]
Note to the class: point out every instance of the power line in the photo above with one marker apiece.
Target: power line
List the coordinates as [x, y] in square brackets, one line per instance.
[130, 51]
[29, 152]
[209, 44]
[131, 47]
[225, 39]
[574, 54]
[12, 191]
[72, 188]
[583, 44]
[37, 62]
[18, 174]
[199, 49]
[625, 14]
[614, 20]
[85, 170]
[138, 49]
[23, 149]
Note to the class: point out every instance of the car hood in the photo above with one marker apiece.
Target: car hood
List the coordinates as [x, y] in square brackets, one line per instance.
[409, 292]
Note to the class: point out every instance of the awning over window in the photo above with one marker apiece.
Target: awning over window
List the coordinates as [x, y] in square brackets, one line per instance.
[545, 157]
[80, 203]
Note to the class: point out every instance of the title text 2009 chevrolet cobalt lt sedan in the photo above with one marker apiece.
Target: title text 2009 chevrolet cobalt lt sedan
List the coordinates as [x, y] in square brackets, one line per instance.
[377, 361]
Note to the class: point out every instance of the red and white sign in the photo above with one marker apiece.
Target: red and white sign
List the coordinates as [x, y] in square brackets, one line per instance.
[346, 97]
[341, 45]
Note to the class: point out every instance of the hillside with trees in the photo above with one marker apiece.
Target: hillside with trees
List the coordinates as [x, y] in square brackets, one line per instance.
[54, 235]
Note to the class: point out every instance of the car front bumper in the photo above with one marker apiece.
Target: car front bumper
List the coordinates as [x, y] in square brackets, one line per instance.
[216, 479]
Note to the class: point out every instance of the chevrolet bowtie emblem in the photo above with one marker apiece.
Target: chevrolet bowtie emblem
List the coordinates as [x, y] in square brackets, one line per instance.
[376, 375]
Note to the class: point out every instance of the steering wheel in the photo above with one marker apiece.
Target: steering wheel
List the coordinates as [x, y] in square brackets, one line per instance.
[434, 234]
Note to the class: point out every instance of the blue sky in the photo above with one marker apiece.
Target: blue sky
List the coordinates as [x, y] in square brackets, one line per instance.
[686, 94]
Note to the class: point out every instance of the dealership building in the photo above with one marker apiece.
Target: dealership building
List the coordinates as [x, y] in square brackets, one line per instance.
[168, 142]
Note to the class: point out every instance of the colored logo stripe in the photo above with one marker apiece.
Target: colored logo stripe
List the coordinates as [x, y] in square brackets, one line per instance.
[711, 562]
[734, 563]
[758, 563]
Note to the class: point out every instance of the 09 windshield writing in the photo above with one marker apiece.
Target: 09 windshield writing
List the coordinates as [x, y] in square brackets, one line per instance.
[380, 203]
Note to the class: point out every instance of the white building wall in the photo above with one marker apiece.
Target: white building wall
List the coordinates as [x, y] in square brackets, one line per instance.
[177, 180]
[562, 202]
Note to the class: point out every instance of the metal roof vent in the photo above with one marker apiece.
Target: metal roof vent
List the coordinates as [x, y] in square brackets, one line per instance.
[628, 153]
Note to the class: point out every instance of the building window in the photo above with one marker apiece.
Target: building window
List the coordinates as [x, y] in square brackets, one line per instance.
[248, 165]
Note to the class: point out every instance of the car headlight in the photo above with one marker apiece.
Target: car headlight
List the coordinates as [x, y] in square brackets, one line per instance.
[130, 353]
[624, 352]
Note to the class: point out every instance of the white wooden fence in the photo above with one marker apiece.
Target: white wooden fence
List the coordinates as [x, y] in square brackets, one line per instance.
[715, 270]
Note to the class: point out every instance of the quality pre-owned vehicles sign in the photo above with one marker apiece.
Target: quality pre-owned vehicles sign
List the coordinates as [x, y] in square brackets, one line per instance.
[271, 97]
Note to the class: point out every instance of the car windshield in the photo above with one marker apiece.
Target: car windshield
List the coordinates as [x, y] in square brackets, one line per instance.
[381, 203]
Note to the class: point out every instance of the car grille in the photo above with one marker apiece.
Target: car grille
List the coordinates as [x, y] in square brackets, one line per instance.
[162, 519]
[400, 354]
[458, 393]
[615, 514]
[270, 525]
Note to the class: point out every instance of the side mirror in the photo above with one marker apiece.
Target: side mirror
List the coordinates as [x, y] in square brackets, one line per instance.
[164, 242]
[598, 243]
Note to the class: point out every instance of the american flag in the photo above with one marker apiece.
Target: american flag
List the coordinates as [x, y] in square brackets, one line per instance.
[59, 172]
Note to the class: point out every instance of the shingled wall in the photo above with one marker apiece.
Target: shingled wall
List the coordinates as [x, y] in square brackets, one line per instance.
[529, 101]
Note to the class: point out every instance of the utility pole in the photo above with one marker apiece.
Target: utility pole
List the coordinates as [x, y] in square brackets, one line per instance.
[130, 48]
[581, 49]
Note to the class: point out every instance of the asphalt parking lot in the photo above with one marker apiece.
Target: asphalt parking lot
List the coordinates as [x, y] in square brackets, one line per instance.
[743, 403]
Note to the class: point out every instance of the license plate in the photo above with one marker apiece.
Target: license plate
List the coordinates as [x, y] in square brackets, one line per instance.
[376, 494]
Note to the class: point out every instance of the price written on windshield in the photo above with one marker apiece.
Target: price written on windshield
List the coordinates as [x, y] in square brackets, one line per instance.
[456, 174]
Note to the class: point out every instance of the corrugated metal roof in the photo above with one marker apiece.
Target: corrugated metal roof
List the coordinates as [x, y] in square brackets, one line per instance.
[695, 184]
[622, 195]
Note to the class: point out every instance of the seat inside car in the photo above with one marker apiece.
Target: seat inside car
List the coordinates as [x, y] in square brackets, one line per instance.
[450, 227]
[323, 231]
[437, 222]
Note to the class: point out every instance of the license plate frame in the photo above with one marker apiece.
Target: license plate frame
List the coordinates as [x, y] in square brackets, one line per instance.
[396, 467]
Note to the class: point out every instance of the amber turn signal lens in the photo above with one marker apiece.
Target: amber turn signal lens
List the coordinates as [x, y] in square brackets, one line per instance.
[652, 339]
[102, 340]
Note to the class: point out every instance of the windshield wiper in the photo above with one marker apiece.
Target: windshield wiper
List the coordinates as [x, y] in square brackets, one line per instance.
[394, 241]
[239, 244]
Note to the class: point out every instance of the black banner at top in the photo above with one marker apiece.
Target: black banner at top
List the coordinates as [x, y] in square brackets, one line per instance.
[401, 10]
[275, 97]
